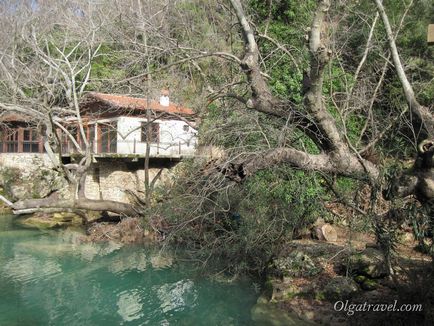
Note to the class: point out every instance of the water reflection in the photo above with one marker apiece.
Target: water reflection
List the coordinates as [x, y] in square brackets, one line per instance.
[55, 279]
[24, 268]
[134, 261]
[177, 296]
[130, 307]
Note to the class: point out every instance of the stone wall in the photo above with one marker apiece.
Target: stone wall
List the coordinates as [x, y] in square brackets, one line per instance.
[107, 179]
[110, 179]
[25, 176]
[26, 161]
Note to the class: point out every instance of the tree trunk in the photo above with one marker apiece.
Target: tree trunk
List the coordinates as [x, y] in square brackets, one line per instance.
[53, 204]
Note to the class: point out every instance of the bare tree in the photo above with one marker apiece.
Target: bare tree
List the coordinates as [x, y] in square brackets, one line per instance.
[337, 153]
[58, 72]
[46, 71]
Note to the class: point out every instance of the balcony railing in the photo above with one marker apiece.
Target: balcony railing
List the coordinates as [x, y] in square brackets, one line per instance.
[134, 147]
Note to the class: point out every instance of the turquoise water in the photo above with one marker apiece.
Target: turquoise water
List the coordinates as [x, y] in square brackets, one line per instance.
[51, 278]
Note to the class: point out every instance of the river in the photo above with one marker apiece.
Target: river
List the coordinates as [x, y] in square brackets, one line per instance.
[51, 278]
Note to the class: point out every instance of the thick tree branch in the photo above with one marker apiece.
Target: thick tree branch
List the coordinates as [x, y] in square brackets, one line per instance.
[86, 204]
[313, 101]
[345, 165]
[262, 100]
[422, 112]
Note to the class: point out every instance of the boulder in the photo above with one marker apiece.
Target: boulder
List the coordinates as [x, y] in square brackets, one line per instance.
[296, 264]
[279, 290]
[370, 262]
[270, 315]
[50, 221]
[21, 184]
[92, 216]
[67, 217]
[42, 222]
[340, 288]
[366, 283]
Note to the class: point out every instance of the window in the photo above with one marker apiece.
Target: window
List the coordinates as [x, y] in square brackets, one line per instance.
[91, 133]
[155, 132]
[12, 141]
[107, 142]
[30, 141]
[185, 128]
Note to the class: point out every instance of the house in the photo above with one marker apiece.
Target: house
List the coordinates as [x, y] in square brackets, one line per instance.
[116, 126]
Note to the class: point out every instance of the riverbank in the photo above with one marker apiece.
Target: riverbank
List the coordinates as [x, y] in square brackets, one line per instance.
[310, 278]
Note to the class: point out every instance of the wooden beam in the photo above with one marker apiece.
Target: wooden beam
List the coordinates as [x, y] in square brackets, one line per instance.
[430, 37]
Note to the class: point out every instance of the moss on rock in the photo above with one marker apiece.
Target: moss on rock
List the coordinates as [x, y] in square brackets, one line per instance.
[340, 288]
[370, 263]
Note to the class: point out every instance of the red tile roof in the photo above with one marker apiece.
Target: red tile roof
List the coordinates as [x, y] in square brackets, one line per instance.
[14, 117]
[131, 103]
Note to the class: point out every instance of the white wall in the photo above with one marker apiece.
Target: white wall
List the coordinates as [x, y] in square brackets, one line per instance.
[174, 140]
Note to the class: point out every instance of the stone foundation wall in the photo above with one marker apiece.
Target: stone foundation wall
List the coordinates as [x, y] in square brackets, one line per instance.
[107, 179]
[111, 180]
[25, 161]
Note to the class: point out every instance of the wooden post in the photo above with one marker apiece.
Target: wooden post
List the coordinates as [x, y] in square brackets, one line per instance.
[2, 141]
[179, 148]
[98, 138]
[134, 147]
[20, 139]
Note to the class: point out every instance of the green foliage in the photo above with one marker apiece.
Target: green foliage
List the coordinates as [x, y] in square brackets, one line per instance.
[109, 65]
[238, 228]
[284, 11]
[286, 22]
[292, 195]
[346, 185]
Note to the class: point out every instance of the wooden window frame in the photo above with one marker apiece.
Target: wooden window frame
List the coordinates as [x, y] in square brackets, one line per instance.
[112, 136]
[34, 139]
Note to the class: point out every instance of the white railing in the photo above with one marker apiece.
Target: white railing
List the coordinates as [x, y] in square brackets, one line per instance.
[174, 148]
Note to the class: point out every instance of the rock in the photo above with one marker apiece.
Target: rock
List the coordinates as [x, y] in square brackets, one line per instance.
[326, 232]
[279, 290]
[370, 262]
[296, 264]
[270, 315]
[93, 216]
[41, 222]
[21, 184]
[262, 299]
[50, 221]
[340, 288]
[67, 217]
[366, 283]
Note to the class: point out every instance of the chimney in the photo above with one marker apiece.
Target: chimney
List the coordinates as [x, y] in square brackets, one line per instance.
[431, 34]
[164, 97]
